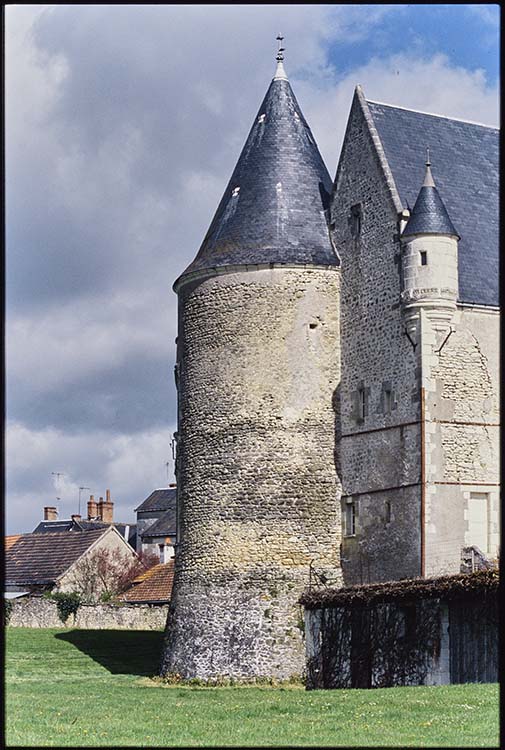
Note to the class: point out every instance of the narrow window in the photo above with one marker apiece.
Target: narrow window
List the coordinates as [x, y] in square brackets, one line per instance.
[356, 220]
[424, 258]
[361, 404]
[388, 511]
[350, 518]
[477, 534]
[387, 401]
[162, 552]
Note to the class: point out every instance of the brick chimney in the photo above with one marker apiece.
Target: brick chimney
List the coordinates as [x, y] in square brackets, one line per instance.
[92, 508]
[106, 509]
[50, 513]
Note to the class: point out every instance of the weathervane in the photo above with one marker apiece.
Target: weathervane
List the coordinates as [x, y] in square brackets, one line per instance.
[280, 56]
[428, 163]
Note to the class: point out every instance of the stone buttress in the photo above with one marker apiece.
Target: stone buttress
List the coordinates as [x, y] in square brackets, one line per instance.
[258, 366]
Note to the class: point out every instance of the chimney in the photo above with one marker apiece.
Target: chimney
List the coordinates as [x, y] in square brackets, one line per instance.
[92, 508]
[106, 508]
[50, 513]
[76, 517]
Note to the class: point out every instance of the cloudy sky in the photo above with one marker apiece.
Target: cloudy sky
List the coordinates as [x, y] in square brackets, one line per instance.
[123, 124]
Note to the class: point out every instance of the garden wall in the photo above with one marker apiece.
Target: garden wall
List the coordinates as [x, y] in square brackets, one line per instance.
[414, 632]
[36, 612]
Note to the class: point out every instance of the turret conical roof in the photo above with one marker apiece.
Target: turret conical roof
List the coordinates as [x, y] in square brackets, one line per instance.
[429, 215]
[273, 210]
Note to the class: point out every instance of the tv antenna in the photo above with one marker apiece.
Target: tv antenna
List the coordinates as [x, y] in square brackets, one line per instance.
[57, 474]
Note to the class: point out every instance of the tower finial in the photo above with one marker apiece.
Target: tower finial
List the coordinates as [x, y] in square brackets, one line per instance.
[280, 73]
[280, 56]
[428, 177]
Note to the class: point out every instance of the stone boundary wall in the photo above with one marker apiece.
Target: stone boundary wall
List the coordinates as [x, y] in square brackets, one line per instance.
[34, 612]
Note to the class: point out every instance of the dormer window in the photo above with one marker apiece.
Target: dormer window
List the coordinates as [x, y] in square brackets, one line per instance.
[424, 258]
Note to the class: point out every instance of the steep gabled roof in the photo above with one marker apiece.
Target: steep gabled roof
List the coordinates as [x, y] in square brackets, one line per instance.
[155, 585]
[162, 499]
[273, 210]
[466, 157]
[43, 558]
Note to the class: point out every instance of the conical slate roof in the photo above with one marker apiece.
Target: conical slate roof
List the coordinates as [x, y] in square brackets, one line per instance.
[429, 215]
[273, 208]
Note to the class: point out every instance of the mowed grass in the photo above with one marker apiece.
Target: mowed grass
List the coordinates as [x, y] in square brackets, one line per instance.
[83, 688]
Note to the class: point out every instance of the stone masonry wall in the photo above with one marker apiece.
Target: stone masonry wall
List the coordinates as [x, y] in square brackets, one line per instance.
[380, 453]
[258, 368]
[462, 442]
[35, 612]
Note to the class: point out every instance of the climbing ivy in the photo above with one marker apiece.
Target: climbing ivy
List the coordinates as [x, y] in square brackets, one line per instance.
[67, 604]
[7, 610]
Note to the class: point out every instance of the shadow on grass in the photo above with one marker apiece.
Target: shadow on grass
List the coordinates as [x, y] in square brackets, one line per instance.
[134, 652]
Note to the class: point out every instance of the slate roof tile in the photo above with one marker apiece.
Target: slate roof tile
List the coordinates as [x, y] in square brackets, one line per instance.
[273, 209]
[465, 164]
[162, 499]
[43, 558]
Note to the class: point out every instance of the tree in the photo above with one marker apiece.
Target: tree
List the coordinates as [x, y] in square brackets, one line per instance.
[105, 573]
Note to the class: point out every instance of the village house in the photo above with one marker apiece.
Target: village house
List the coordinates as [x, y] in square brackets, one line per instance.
[53, 562]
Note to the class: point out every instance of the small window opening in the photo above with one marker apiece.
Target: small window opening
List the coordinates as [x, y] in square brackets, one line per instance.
[312, 325]
[388, 511]
[356, 220]
[161, 548]
[388, 401]
[424, 258]
[350, 518]
[361, 404]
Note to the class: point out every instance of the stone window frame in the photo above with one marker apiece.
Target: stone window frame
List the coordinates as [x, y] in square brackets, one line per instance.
[388, 514]
[356, 220]
[387, 388]
[350, 515]
[423, 257]
[361, 397]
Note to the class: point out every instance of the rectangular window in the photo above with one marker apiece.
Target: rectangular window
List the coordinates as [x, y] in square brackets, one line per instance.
[350, 518]
[361, 404]
[424, 258]
[162, 552]
[388, 511]
[477, 534]
[356, 220]
[388, 402]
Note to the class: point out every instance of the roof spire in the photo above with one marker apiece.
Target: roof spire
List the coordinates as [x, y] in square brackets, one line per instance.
[428, 177]
[280, 73]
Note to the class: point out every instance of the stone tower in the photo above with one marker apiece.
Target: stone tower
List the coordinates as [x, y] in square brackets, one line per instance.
[429, 261]
[257, 372]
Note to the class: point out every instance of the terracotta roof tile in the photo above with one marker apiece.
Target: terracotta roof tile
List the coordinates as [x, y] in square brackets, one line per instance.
[10, 540]
[155, 585]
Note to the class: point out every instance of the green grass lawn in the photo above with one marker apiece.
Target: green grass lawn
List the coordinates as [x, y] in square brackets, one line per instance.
[92, 687]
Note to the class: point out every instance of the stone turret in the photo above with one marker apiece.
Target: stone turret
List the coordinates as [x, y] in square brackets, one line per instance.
[257, 371]
[429, 260]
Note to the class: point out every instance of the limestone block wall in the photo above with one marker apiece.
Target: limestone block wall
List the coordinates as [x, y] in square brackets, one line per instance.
[36, 612]
[462, 441]
[258, 494]
[380, 435]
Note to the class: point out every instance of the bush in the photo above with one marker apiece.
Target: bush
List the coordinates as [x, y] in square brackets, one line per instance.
[7, 611]
[67, 604]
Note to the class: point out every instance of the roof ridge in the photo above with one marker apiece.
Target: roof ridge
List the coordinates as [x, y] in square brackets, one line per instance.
[432, 114]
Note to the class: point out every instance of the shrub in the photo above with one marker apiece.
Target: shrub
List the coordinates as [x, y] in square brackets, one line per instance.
[7, 611]
[67, 604]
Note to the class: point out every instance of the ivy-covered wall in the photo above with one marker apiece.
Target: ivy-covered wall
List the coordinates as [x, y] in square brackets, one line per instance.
[419, 632]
